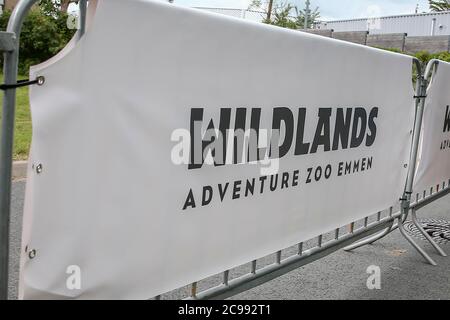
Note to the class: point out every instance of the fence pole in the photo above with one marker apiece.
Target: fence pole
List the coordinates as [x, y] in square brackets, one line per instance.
[11, 62]
[421, 89]
[10, 68]
[421, 96]
[83, 14]
[433, 197]
[406, 201]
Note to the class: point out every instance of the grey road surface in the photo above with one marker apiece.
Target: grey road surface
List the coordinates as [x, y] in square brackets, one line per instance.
[404, 275]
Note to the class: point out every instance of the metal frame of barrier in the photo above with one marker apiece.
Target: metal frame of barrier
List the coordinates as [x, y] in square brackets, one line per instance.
[426, 199]
[9, 44]
[388, 225]
[433, 197]
[279, 267]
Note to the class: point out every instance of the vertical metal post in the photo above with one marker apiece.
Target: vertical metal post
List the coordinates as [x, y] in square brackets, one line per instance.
[83, 15]
[243, 13]
[300, 249]
[406, 201]
[11, 62]
[254, 262]
[336, 234]
[427, 75]
[194, 289]
[421, 92]
[226, 277]
[278, 257]
[433, 27]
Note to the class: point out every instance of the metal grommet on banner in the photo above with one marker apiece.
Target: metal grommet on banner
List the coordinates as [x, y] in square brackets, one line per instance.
[40, 80]
[39, 169]
[32, 254]
[405, 166]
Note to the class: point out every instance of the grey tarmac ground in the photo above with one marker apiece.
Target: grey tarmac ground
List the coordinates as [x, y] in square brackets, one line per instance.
[404, 275]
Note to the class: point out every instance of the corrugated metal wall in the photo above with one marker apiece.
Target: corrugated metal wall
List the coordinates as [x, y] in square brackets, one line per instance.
[238, 13]
[414, 25]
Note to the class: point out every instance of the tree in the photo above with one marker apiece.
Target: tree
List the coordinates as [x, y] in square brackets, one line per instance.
[43, 35]
[55, 6]
[282, 18]
[313, 17]
[65, 5]
[270, 8]
[265, 7]
[284, 14]
[439, 5]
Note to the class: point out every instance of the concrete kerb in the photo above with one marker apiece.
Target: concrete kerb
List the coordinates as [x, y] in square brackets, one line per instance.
[20, 170]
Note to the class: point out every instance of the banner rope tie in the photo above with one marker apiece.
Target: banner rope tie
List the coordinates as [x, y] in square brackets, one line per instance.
[23, 83]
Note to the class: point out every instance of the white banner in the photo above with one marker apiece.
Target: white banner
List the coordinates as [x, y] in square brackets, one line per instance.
[434, 156]
[135, 196]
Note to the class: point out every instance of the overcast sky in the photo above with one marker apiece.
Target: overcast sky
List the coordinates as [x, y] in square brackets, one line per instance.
[331, 9]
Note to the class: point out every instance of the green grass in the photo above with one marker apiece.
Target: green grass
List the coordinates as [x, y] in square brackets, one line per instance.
[22, 134]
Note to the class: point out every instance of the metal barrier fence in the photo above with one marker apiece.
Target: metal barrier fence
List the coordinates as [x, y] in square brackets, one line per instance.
[285, 260]
[428, 196]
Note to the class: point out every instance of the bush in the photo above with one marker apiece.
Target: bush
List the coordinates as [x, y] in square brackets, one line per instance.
[423, 56]
[43, 35]
[444, 56]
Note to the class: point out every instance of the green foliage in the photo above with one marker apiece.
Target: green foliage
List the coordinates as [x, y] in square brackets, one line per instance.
[313, 16]
[44, 34]
[425, 56]
[256, 5]
[284, 14]
[444, 56]
[23, 128]
[281, 17]
[54, 7]
[439, 5]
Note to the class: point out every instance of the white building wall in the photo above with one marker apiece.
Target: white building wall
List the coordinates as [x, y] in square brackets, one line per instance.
[413, 25]
[237, 13]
